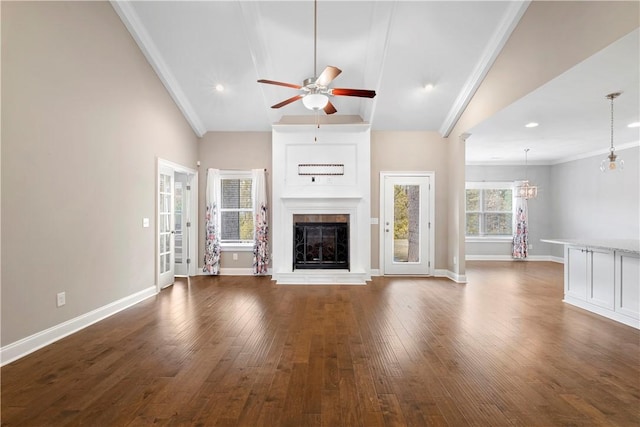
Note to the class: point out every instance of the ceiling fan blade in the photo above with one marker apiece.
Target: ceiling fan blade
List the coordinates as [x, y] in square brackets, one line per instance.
[273, 82]
[329, 108]
[362, 93]
[327, 75]
[287, 101]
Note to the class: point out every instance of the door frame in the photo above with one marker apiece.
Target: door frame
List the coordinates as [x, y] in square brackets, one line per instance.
[431, 230]
[193, 229]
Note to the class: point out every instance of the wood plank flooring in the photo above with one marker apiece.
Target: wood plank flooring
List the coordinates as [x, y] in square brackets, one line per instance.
[501, 350]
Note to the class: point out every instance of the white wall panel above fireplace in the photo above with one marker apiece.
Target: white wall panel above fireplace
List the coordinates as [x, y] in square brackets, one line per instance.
[294, 193]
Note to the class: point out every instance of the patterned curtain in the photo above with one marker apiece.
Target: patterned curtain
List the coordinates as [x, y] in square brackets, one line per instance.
[261, 225]
[521, 229]
[212, 236]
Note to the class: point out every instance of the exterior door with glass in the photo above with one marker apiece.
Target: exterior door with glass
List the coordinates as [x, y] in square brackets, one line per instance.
[166, 255]
[406, 224]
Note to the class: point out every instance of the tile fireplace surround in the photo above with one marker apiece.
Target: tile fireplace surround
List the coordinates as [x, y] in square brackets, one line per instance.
[296, 194]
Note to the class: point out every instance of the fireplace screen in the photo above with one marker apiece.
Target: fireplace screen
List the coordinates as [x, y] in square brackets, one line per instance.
[321, 245]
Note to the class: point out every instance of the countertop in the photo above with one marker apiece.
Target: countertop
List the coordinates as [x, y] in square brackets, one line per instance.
[623, 245]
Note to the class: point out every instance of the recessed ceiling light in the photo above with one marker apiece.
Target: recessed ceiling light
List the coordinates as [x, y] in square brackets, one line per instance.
[219, 88]
[531, 125]
[428, 87]
[634, 125]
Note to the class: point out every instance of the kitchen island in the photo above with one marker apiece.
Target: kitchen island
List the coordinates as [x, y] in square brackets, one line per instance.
[603, 276]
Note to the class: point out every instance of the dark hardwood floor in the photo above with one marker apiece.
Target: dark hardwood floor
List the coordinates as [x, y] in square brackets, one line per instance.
[502, 350]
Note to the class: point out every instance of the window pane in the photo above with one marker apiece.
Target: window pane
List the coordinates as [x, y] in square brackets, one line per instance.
[406, 226]
[473, 224]
[497, 200]
[473, 200]
[236, 193]
[237, 226]
[497, 224]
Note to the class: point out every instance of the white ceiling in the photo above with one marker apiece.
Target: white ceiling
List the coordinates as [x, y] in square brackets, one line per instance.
[394, 48]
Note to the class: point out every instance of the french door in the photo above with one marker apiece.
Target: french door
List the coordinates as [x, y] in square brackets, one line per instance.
[181, 213]
[166, 241]
[407, 232]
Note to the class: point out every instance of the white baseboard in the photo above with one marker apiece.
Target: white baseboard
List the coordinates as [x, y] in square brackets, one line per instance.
[509, 258]
[244, 271]
[25, 346]
[458, 278]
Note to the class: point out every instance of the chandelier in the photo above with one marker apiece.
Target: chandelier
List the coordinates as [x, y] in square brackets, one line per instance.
[526, 190]
[611, 162]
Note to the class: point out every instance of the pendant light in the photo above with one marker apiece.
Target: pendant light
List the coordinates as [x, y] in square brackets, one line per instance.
[526, 190]
[611, 162]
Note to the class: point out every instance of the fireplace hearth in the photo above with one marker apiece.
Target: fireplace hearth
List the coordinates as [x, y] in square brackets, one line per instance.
[321, 245]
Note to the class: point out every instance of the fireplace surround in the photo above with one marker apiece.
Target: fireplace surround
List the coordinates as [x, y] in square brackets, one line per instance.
[342, 202]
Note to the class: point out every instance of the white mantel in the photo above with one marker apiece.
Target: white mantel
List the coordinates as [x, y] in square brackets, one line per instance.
[345, 144]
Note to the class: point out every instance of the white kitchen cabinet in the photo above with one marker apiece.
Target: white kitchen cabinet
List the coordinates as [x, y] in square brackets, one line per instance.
[603, 276]
[589, 275]
[627, 278]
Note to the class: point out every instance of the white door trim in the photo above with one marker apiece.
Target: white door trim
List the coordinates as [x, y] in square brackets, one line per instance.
[432, 231]
[193, 237]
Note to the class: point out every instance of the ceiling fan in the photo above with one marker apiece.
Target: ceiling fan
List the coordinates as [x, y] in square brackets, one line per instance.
[315, 91]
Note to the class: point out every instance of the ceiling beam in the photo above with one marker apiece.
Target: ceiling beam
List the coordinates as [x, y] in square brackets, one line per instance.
[492, 50]
[130, 19]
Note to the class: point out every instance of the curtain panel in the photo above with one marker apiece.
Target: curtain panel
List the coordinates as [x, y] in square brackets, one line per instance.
[520, 247]
[261, 224]
[212, 234]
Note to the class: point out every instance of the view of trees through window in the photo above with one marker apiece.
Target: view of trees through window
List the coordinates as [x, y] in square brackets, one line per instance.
[489, 212]
[406, 227]
[236, 211]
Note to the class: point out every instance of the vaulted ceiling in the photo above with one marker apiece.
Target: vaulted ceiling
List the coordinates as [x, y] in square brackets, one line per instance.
[392, 47]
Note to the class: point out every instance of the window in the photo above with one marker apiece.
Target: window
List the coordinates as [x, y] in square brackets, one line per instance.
[236, 210]
[489, 209]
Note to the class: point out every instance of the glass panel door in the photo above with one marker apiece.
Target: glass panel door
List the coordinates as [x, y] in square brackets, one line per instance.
[165, 227]
[406, 225]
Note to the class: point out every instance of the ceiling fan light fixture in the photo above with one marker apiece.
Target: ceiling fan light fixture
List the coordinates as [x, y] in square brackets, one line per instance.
[315, 101]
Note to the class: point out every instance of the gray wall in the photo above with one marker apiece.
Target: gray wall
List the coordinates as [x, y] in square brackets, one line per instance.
[589, 203]
[84, 118]
[575, 200]
[539, 208]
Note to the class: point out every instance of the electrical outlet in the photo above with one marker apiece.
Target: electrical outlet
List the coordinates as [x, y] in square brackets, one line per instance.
[235, 257]
[530, 246]
[61, 299]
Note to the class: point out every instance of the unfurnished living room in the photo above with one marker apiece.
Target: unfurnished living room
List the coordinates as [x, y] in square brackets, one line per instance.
[320, 213]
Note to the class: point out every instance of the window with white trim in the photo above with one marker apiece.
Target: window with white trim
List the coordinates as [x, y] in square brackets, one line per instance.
[236, 210]
[489, 209]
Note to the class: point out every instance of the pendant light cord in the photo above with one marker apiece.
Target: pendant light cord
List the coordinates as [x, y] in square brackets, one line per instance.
[612, 98]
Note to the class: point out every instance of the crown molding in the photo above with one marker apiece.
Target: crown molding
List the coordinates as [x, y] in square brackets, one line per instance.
[130, 19]
[494, 47]
[595, 153]
[553, 162]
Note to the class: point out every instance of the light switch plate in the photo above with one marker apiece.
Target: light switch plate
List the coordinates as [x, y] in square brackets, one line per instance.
[145, 222]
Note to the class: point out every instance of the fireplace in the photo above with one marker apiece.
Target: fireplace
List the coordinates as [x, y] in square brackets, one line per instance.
[335, 209]
[321, 245]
